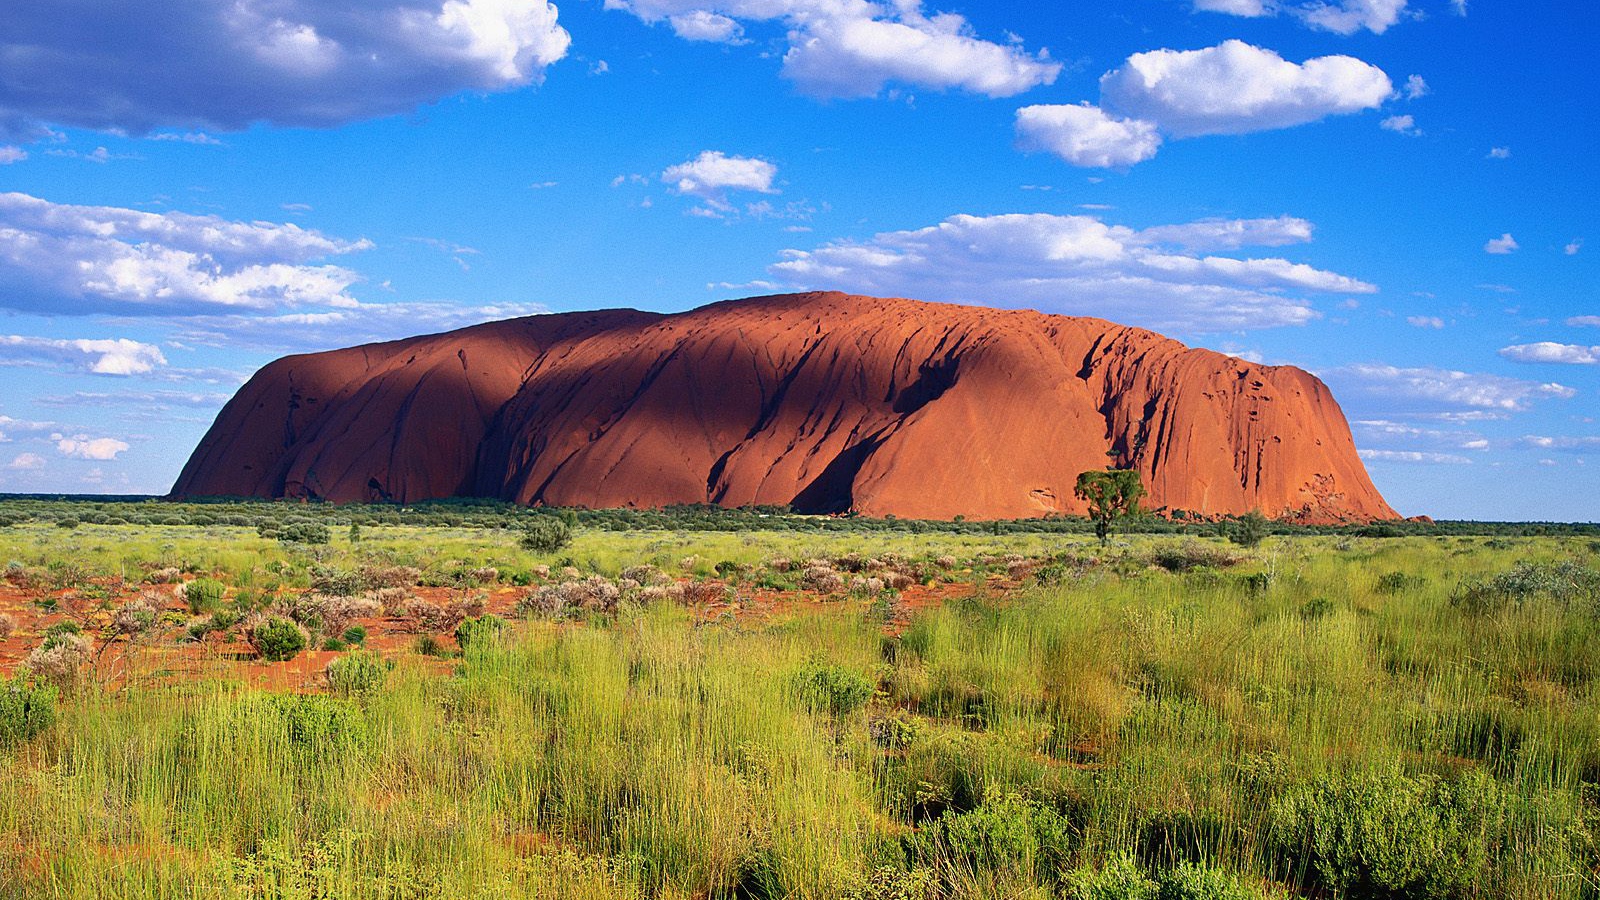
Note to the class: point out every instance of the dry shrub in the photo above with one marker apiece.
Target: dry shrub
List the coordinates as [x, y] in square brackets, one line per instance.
[60, 660]
[484, 574]
[541, 571]
[594, 593]
[821, 579]
[866, 585]
[646, 575]
[136, 616]
[781, 564]
[7, 626]
[163, 576]
[657, 592]
[700, 592]
[570, 572]
[391, 576]
[334, 614]
[898, 581]
[946, 562]
[472, 605]
[1019, 569]
[394, 601]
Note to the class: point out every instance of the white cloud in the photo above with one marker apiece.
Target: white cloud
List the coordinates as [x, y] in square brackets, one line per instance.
[1085, 136]
[136, 65]
[1584, 321]
[1415, 87]
[1231, 234]
[1460, 7]
[1350, 16]
[1232, 88]
[1501, 245]
[1479, 391]
[1499, 153]
[1383, 431]
[1237, 88]
[855, 48]
[1551, 352]
[699, 25]
[1080, 265]
[1405, 125]
[1249, 9]
[1414, 456]
[27, 461]
[57, 258]
[1425, 321]
[1565, 442]
[12, 154]
[187, 137]
[101, 357]
[713, 174]
[326, 330]
[82, 446]
[160, 399]
[1340, 16]
[1573, 246]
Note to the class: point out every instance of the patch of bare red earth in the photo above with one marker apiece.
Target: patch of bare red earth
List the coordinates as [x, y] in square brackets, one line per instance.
[165, 657]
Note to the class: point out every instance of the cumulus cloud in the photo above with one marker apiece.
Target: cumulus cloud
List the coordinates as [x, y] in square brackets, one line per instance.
[118, 356]
[1385, 431]
[713, 174]
[1232, 88]
[1445, 386]
[27, 461]
[1573, 246]
[1415, 87]
[12, 154]
[699, 25]
[1406, 125]
[82, 446]
[1499, 152]
[1340, 17]
[1551, 352]
[1086, 136]
[58, 258]
[1584, 321]
[1425, 321]
[136, 65]
[856, 48]
[1081, 265]
[1501, 245]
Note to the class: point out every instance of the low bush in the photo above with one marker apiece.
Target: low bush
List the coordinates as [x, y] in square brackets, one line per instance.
[1564, 583]
[479, 632]
[204, 595]
[1007, 833]
[1389, 834]
[304, 533]
[545, 534]
[356, 673]
[277, 639]
[25, 710]
[833, 689]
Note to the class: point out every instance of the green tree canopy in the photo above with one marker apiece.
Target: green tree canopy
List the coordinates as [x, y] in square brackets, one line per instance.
[1111, 494]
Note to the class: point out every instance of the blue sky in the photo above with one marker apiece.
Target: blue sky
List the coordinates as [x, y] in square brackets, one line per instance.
[1398, 195]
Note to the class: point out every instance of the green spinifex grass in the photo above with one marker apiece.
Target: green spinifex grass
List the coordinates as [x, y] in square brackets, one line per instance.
[1304, 723]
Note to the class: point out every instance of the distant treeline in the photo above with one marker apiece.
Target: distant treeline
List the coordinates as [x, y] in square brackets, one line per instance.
[71, 510]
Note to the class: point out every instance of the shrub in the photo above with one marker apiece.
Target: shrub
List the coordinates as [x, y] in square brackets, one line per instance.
[135, 617]
[1249, 529]
[355, 635]
[360, 672]
[1385, 833]
[479, 632]
[304, 533]
[1005, 834]
[428, 645]
[1398, 582]
[317, 725]
[60, 659]
[833, 689]
[889, 883]
[545, 534]
[277, 639]
[1562, 582]
[1191, 881]
[822, 580]
[1119, 879]
[25, 710]
[7, 626]
[203, 595]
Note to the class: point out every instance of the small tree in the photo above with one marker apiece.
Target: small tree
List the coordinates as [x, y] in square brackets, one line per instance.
[1249, 529]
[1111, 494]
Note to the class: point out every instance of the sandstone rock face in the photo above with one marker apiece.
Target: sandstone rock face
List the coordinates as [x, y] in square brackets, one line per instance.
[827, 402]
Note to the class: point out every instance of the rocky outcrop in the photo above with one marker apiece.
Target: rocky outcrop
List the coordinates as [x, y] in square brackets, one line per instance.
[827, 402]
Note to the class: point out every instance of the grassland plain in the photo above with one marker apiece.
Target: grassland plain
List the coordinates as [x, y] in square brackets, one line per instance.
[853, 713]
